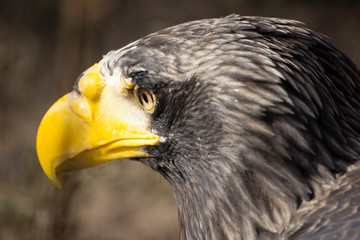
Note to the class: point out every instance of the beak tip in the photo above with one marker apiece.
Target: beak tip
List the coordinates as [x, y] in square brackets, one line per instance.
[58, 181]
[55, 178]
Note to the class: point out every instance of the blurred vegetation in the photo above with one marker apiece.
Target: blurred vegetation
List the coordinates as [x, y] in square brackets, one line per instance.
[44, 46]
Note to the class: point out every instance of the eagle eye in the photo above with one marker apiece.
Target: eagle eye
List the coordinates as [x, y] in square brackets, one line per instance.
[145, 98]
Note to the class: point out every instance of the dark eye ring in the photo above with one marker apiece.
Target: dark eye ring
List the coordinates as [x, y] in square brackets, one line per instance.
[145, 98]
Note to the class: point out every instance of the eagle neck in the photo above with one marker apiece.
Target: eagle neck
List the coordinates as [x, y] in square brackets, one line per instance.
[221, 207]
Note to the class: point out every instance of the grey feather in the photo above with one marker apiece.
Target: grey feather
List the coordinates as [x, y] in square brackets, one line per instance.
[261, 121]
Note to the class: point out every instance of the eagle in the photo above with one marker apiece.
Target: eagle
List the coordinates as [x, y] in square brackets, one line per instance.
[254, 122]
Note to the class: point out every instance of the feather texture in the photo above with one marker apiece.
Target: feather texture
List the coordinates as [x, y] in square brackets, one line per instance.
[260, 121]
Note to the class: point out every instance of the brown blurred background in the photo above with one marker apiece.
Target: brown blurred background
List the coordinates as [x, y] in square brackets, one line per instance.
[44, 46]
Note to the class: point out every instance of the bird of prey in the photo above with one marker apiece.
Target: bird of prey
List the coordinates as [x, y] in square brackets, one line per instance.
[254, 123]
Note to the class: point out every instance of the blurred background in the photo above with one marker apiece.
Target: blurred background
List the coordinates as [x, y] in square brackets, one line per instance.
[44, 46]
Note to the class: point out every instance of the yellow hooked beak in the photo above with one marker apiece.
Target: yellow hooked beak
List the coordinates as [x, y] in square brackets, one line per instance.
[99, 123]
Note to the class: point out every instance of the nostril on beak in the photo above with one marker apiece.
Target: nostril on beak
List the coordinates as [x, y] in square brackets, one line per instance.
[79, 105]
[76, 84]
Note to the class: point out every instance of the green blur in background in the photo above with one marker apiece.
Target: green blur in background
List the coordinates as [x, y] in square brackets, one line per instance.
[44, 46]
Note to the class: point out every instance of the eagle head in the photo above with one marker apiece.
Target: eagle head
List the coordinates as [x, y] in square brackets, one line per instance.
[244, 116]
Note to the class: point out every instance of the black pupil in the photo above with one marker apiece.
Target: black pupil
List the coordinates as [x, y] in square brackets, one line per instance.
[145, 98]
